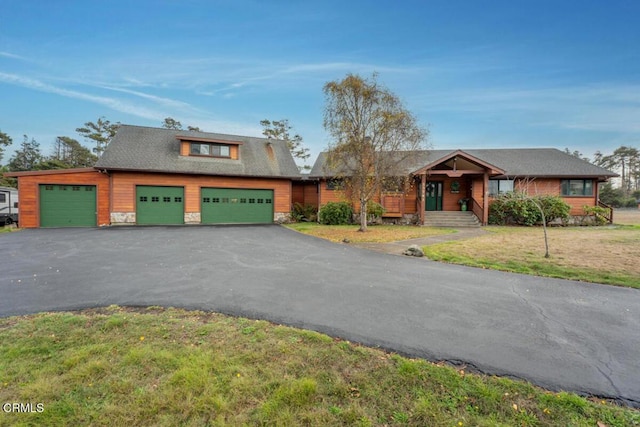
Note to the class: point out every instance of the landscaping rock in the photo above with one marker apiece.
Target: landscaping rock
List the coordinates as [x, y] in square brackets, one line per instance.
[413, 250]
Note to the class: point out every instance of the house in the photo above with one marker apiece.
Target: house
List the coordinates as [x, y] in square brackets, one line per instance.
[161, 176]
[454, 180]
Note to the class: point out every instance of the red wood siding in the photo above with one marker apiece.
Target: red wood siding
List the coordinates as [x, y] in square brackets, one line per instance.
[304, 192]
[28, 193]
[124, 188]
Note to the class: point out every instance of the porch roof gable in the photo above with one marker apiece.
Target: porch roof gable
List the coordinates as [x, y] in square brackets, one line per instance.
[491, 169]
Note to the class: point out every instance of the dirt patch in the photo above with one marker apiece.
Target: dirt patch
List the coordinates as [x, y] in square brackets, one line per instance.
[626, 216]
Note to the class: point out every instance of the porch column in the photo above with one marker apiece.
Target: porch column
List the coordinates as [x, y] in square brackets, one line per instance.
[485, 198]
[423, 188]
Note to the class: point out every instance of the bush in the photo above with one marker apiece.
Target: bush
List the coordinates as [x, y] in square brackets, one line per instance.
[336, 213]
[374, 210]
[598, 213]
[306, 212]
[520, 209]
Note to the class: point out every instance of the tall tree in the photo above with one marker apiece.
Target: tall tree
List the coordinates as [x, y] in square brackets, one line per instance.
[624, 159]
[373, 135]
[27, 157]
[171, 123]
[5, 141]
[100, 133]
[280, 129]
[71, 153]
[194, 128]
[578, 154]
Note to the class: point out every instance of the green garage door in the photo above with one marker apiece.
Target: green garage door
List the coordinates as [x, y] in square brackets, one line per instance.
[237, 206]
[159, 205]
[67, 206]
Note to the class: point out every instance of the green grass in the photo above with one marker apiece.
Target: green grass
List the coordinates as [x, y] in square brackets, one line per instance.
[118, 366]
[446, 252]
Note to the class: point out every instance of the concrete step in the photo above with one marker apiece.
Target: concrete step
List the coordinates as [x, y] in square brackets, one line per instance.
[453, 219]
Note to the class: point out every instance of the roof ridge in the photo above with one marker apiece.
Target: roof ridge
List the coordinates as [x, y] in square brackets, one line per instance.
[201, 131]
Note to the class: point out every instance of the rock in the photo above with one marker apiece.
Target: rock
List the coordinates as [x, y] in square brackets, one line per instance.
[413, 250]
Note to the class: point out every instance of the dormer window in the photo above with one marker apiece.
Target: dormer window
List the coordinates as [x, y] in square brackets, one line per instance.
[211, 150]
[209, 147]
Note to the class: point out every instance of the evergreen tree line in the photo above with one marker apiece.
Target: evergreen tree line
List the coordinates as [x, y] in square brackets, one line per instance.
[624, 160]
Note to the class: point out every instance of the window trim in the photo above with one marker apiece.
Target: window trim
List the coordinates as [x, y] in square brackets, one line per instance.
[211, 146]
[498, 181]
[565, 184]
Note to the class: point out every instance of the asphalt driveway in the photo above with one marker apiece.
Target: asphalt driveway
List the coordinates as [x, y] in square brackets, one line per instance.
[556, 333]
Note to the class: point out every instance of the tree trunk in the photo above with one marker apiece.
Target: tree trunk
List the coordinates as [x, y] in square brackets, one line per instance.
[363, 216]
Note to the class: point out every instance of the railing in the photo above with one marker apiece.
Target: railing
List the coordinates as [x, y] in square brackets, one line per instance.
[608, 217]
[477, 210]
[393, 204]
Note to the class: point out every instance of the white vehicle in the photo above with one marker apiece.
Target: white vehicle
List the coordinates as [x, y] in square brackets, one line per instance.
[8, 205]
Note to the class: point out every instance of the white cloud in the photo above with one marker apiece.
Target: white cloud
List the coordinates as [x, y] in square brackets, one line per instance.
[113, 103]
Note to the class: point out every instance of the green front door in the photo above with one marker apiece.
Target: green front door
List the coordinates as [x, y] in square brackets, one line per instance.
[67, 205]
[236, 206]
[433, 199]
[159, 205]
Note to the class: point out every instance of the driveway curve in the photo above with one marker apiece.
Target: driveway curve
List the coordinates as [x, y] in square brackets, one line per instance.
[559, 334]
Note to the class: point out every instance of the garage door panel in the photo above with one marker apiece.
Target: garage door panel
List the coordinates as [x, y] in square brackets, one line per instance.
[67, 205]
[157, 205]
[236, 206]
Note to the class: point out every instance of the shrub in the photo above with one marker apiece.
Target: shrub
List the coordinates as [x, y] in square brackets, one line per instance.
[598, 213]
[520, 209]
[374, 210]
[336, 213]
[306, 212]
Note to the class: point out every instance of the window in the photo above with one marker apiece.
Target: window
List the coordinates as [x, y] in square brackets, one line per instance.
[3, 198]
[394, 184]
[143, 198]
[500, 186]
[166, 199]
[577, 187]
[335, 184]
[211, 150]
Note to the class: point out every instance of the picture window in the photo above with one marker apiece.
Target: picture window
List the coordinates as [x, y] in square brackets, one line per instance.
[577, 187]
[211, 150]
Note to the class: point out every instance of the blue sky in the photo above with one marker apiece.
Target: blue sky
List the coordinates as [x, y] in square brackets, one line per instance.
[477, 74]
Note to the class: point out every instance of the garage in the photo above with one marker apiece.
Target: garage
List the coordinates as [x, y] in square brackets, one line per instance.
[156, 205]
[67, 205]
[236, 206]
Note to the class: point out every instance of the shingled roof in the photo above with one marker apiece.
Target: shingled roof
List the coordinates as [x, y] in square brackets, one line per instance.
[137, 148]
[516, 162]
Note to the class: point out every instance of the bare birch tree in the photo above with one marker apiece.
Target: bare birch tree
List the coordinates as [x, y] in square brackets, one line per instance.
[373, 135]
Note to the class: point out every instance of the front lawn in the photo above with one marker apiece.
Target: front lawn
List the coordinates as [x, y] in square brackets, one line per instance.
[375, 233]
[594, 254]
[168, 367]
